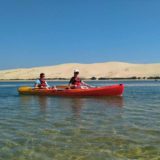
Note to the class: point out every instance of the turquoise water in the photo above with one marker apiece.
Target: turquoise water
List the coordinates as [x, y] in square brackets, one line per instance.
[52, 128]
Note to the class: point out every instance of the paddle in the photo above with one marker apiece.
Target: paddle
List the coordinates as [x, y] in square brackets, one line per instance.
[63, 87]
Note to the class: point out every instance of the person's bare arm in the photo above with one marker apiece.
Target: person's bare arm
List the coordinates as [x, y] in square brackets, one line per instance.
[36, 85]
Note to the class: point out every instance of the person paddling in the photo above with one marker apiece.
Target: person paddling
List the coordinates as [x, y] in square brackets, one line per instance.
[41, 82]
[76, 82]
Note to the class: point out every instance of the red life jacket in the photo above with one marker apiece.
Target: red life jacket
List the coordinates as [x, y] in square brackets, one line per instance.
[43, 83]
[77, 81]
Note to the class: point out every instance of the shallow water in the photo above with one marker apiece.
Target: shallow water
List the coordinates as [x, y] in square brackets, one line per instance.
[113, 128]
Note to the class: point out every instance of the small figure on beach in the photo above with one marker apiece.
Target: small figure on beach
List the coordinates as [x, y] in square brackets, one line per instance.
[41, 82]
[76, 82]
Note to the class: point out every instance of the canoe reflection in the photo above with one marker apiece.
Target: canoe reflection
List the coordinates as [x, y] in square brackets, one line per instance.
[108, 101]
[112, 101]
[75, 104]
[41, 101]
[79, 104]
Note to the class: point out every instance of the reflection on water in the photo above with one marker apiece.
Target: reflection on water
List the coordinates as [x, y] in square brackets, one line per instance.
[41, 101]
[24, 100]
[75, 104]
[117, 101]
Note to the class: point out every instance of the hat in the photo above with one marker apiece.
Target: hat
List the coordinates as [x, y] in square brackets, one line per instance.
[76, 70]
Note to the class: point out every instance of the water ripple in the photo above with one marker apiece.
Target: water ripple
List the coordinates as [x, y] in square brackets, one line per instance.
[35, 127]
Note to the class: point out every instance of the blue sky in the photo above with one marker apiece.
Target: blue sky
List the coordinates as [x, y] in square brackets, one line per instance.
[49, 32]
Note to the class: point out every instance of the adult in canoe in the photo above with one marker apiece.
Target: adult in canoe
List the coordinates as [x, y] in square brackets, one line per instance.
[76, 82]
[41, 82]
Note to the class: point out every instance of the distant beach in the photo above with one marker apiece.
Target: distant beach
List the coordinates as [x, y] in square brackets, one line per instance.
[95, 71]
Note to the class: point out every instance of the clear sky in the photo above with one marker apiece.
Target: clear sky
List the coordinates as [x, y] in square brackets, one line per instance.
[49, 32]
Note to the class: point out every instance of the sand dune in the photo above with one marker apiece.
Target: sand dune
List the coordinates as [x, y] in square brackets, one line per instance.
[108, 70]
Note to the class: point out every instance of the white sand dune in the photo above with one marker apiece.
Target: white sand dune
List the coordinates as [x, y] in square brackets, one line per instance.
[108, 70]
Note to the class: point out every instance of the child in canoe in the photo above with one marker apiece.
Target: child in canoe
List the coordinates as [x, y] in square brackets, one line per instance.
[41, 82]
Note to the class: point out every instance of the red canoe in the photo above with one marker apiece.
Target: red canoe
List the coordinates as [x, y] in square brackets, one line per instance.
[113, 90]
